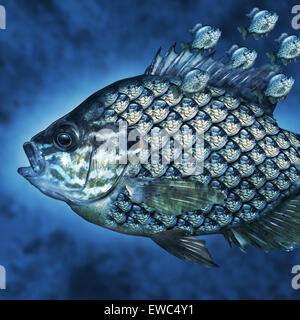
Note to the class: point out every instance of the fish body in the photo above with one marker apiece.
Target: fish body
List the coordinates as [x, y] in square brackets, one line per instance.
[243, 163]
[279, 86]
[183, 150]
[262, 23]
[242, 57]
[205, 37]
[288, 51]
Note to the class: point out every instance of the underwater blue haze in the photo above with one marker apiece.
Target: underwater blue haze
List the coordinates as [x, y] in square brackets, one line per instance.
[54, 54]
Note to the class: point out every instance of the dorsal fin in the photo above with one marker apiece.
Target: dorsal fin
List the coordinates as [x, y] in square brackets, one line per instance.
[174, 64]
[238, 82]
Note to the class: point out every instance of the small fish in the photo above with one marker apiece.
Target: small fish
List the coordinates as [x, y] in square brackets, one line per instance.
[279, 86]
[205, 37]
[195, 81]
[262, 23]
[242, 57]
[184, 150]
[288, 51]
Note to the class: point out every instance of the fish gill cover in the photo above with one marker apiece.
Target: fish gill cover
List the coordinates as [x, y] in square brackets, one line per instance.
[275, 85]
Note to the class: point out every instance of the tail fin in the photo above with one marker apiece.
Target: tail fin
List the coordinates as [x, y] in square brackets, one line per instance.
[279, 229]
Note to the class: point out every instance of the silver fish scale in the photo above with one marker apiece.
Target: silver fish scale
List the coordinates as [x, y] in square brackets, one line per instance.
[247, 156]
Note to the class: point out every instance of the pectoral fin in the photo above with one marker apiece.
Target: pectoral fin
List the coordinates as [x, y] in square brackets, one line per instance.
[272, 57]
[256, 36]
[184, 247]
[173, 197]
[243, 31]
[260, 95]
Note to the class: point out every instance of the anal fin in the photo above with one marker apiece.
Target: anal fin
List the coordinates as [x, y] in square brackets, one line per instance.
[277, 229]
[184, 247]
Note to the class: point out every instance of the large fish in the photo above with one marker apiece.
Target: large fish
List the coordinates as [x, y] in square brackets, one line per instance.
[222, 164]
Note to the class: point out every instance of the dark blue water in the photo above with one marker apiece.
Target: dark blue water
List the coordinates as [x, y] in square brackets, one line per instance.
[53, 55]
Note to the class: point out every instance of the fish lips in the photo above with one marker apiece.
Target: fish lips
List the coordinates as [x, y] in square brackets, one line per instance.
[37, 163]
[35, 172]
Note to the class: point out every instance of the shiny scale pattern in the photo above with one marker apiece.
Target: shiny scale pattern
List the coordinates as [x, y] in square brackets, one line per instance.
[246, 155]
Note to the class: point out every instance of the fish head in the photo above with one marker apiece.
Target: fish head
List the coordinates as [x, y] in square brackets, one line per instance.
[250, 57]
[296, 43]
[239, 54]
[70, 160]
[214, 36]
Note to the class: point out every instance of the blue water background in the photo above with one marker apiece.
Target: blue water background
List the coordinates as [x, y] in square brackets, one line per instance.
[53, 55]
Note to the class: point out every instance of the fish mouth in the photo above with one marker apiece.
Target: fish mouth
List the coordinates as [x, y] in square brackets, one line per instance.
[37, 163]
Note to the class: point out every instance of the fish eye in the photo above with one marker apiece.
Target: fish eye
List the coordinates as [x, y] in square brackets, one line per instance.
[65, 138]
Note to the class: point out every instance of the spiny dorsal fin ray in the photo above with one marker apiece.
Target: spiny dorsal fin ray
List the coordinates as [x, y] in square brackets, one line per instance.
[278, 229]
[184, 247]
[241, 83]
